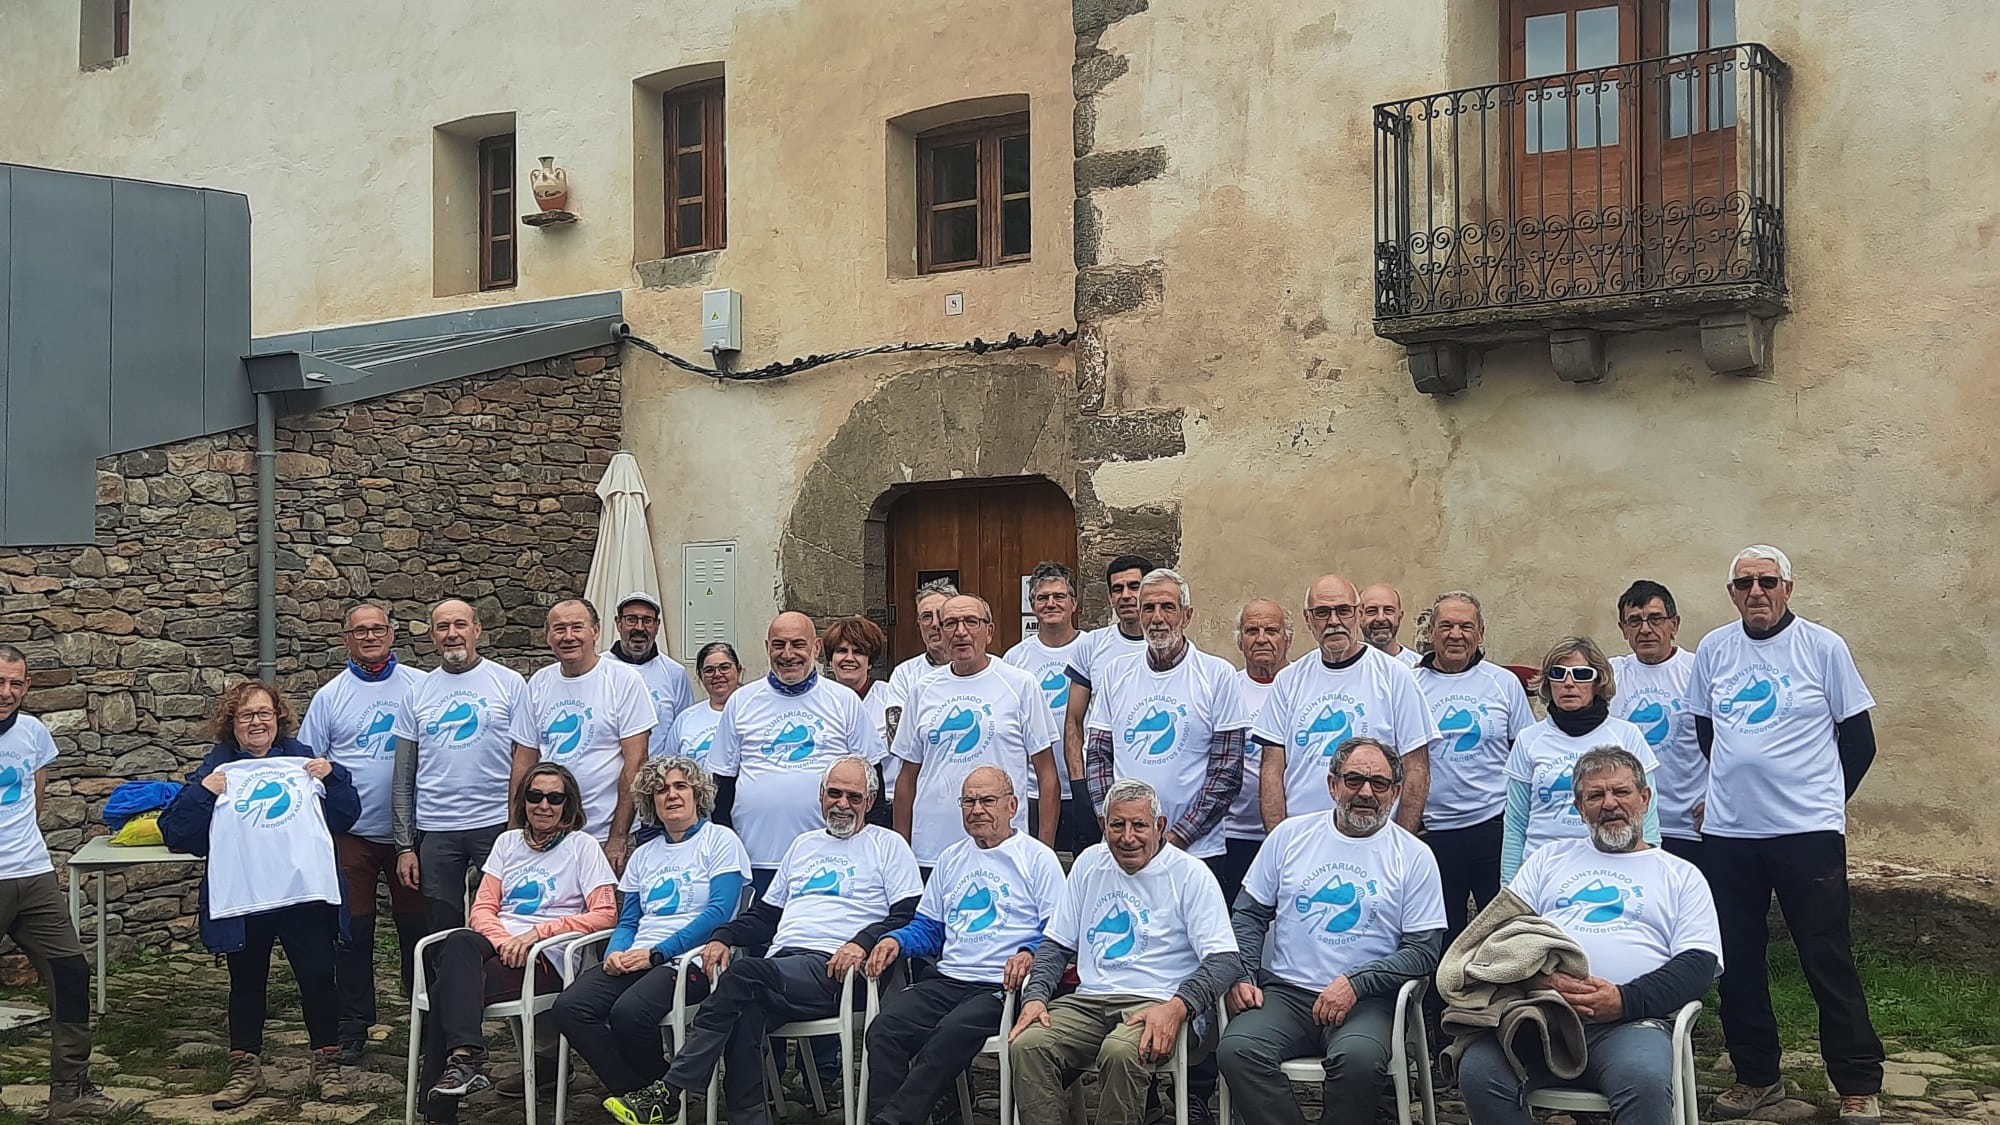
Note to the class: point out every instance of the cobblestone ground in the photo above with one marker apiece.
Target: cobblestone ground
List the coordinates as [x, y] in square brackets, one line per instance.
[162, 1046]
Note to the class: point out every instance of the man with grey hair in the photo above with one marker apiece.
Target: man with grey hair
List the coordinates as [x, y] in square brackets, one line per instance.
[1783, 715]
[1146, 928]
[351, 721]
[1264, 638]
[929, 600]
[1645, 921]
[1045, 654]
[840, 888]
[1382, 622]
[1352, 906]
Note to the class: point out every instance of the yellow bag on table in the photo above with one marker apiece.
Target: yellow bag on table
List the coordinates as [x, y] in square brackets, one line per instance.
[140, 831]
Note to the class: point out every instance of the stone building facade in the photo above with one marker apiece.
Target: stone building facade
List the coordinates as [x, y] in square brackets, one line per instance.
[480, 488]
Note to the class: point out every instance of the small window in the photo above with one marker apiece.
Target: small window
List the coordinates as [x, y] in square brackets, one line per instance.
[104, 32]
[496, 212]
[696, 205]
[121, 28]
[972, 196]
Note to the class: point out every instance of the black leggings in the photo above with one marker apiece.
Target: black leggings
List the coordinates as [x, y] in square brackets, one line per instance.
[307, 931]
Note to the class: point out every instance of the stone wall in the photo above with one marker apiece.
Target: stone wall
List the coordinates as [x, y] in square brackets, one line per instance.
[482, 488]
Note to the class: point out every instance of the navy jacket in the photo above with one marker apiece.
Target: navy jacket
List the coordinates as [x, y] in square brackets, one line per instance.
[184, 827]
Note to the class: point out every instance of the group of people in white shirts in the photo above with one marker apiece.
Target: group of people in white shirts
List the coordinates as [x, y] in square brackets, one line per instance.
[1288, 842]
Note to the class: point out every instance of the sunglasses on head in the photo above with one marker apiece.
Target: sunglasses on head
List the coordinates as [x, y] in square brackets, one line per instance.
[543, 797]
[1562, 672]
[1745, 581]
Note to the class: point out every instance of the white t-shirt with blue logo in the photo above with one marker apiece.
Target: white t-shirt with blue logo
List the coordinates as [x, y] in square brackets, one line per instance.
[1342, 901]
[1478, 712]
[1630, 911]
[1409, 657]
[1088, 655]
[692, 733]
[462, 724]
[577, 722]
[1314, 708]
[353, 723]
[831, 889]
[1161, 724]
[671, 879]
[268, 844]
[1653, 697]
[1246, 813]
[670, 688]
[1775, 769]
[992, 901]
[24, 749]
[538, 887]
[1140, 935]
[1544, 757]
[1050, 668]
[954, 724]
[777, 746]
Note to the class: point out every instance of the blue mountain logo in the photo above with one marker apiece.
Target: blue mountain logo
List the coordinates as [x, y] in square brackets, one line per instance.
[1759, 695]
[795, 743]
[526, 896]
[463, 715]
[699, 752]
[1462, 724]
[1606, 903]
[274, 795]
[565, 734]
[977, 910]
[960, 721]
[13, 785]
[1653, 719]
[1333, 724]
[1338, 901]
[1158, 722]
[374, 738]
[1557, 792]
[1056, 683]
[826, 881]
[664, 897]
[1119, 931]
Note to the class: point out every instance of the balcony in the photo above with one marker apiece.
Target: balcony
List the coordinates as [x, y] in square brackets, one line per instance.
[1623, 198]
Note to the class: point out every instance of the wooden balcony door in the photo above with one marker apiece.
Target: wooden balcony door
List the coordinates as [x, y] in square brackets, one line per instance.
[1688, 168]
[985, 538]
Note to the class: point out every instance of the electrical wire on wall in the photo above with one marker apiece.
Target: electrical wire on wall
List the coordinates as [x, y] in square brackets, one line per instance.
[1060, 338]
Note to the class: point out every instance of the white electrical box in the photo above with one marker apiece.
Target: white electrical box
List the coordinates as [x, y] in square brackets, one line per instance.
[708, 595]
[721, 320]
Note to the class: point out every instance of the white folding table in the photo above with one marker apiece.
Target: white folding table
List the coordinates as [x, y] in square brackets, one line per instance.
[99, 856]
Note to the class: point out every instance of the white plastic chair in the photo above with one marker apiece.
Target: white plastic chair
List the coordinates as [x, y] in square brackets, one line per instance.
[1179, 1071]
[1568, 1099]
[995, 1045]
[522, 1010]
[1408, 1043]
[853, 1050]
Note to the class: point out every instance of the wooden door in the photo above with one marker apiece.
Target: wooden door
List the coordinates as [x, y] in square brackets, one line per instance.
[1688, 158]
[986, 538]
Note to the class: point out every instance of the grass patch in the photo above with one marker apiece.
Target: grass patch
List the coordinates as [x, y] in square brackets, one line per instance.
[1925, 1007]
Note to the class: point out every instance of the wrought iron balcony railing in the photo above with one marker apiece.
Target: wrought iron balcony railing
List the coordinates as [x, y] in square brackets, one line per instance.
[1656, 184]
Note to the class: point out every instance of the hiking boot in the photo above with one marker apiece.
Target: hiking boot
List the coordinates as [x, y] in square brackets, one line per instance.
[515, 1085]
[246, 1081]
[81, 1098]
[1743, 1099]
[653, 1104]
[1860, 1109]
[326, 1075]
[464, 1075]
[350, 1051]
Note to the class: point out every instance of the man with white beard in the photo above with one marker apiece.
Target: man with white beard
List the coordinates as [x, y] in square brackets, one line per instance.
[1646, 922]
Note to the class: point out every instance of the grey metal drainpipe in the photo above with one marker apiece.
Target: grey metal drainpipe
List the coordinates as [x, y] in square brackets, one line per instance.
[267, 539]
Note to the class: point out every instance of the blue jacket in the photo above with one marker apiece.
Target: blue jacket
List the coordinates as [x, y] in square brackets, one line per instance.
[184, 827]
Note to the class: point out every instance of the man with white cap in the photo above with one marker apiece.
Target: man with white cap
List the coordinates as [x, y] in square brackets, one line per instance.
[667, 680]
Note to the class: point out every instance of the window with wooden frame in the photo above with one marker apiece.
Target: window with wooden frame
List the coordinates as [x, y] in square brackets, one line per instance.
[497, 265]
[973, 205]
[121, 28]
[697, 212]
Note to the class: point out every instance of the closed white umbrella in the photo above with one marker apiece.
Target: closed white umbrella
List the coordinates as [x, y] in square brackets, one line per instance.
[623, 562]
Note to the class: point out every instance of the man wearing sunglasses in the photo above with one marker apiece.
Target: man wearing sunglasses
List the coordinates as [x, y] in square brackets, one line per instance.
[1358, 911]
[667, 680]
[352, 722]
[839, 890]
[1783, 715]
[1652, 695]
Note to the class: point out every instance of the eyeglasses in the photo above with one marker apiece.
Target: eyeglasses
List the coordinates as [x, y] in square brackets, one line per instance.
[845, 796]
[1745, 581]
[557, 798]
[1654, 620]
[255, 716]
[369, 631]
[1562, 672]
[986, 801]
[954, 624]
[1375, 782]
[1050, 596]
[638, 619]
[717, 669]
[1323, 612]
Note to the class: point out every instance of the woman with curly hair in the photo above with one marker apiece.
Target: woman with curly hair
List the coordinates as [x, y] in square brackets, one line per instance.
[678, 888]
[264, 846]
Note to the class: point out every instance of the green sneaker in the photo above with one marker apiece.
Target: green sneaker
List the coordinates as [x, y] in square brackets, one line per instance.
[654, 1104]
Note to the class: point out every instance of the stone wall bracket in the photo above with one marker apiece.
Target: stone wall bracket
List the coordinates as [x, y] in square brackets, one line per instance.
[1735, 343]
[1577, 354]
[1442, 367]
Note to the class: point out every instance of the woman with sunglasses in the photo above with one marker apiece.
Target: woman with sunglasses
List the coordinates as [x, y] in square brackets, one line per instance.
[721, 673]
[1576, 688]
[544, 878]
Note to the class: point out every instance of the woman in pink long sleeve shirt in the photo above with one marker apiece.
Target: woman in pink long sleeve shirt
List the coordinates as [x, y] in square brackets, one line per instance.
[547, 878]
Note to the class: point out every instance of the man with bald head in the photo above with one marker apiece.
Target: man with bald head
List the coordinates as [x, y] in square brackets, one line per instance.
[592, 716]
[1264, 639]
[1344, 689]
[454, 756]
[775, 739]
[1382, 621]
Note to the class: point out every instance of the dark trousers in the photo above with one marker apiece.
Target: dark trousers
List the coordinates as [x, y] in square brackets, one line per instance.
[462, 974]
[614, 1022]
[307, 932]
[1808, 872]
[1690, 850]
[923, 1038]
[1355, 1054]
[1066, 824]
[1468, 862]
[450, 862]
[33, 913]
[1234, 866]
[1630, 1064]
[754, 996]
[365, 865]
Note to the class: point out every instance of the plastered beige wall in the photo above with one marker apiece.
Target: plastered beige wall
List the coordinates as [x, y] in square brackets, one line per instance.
[1867, 450]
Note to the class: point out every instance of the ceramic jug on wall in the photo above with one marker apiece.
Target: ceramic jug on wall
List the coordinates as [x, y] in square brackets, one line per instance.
[550, 185]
